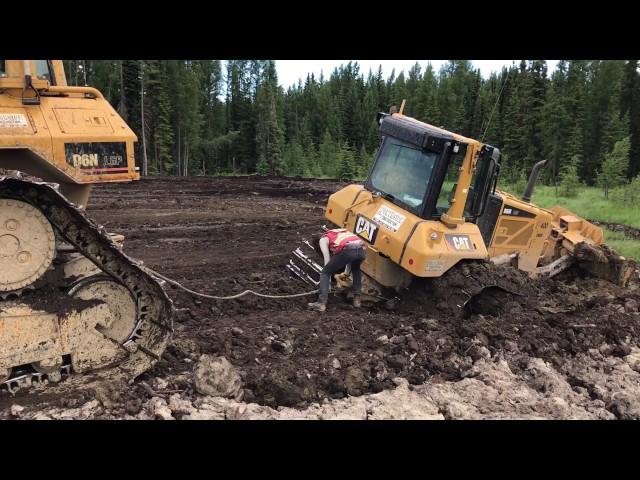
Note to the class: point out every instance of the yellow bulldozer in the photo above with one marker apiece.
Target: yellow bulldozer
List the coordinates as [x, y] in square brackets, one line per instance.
[70, 300]
[430, 205]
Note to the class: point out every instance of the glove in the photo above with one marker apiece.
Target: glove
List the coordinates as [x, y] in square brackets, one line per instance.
[342, 276]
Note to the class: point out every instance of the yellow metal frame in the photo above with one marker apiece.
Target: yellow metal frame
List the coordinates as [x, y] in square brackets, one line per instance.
[65, 115]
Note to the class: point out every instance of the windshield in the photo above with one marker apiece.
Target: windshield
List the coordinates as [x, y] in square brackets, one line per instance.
[403, 171]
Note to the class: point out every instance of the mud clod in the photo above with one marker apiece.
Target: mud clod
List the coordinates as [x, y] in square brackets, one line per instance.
[216, 376]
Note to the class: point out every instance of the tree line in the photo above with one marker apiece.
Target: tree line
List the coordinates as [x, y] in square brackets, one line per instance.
[194, 117]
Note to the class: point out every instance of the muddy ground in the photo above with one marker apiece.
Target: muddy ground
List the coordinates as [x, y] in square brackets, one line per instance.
[567, 348]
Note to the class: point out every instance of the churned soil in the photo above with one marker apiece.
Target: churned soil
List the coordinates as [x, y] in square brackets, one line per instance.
[566, 347]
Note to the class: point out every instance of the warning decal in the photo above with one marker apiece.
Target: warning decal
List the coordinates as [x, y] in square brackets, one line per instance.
[13, 120]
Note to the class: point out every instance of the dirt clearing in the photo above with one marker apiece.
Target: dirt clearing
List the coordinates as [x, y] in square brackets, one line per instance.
[567, 349]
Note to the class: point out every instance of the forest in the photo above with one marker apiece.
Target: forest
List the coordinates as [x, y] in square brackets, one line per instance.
[209, 117]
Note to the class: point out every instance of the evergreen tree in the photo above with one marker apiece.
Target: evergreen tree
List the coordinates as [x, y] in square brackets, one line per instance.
[614, 167]
[328, 156]
[346, 165]
[269, 135]
[630, 107]
[569, 182]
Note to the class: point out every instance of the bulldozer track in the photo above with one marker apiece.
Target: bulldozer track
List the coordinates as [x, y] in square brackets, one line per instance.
[154, 322]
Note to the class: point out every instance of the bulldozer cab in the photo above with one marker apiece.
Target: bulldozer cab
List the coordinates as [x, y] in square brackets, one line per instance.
[43, 73]
[428, 171]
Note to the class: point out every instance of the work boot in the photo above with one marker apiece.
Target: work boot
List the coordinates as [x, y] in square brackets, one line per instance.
[320, 307]
[356, 301]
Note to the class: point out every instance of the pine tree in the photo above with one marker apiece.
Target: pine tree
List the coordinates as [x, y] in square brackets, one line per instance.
[630, 106]
[269, 135]
[426, 97]
[569, 182]
[328, 155]
[614, 167]
[159, 118]
[556, 121]
[346, 165]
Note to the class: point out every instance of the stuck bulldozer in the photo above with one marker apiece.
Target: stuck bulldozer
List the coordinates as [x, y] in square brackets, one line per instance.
[430, 206]
[70, 300]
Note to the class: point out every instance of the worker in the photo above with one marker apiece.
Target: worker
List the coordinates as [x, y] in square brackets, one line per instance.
[347, 249]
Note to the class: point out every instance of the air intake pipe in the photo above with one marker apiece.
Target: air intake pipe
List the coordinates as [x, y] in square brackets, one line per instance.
[526, 196]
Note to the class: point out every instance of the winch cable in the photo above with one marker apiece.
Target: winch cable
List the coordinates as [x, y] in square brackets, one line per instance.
[230, 297]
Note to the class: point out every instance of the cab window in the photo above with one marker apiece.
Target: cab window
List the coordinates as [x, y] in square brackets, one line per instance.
[450, 182]
[42, 70]
[478, 188]
[402, 171]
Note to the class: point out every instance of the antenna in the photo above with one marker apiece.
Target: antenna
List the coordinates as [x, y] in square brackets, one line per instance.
[506, 78]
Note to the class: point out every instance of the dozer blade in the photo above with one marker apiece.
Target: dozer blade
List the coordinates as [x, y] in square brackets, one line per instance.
[602, 262]
[585, 242]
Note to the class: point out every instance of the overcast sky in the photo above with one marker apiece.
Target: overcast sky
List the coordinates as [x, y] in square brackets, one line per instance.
[289, 71]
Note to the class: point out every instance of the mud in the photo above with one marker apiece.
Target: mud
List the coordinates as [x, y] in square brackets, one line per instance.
[565, 348]
[52, 300]
[629, 231]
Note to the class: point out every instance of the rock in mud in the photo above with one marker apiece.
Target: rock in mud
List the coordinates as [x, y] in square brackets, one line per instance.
[178, 405]
[429, 324]
[157, 407]
[237, 331]
[382, 339]
[89, 408]
[478, 353]
[511, 346]
[285, 393]
[285, 347]
[355, 381]
[335, 363]
[160, 384]
[108, 393]
[412, 343]
[381, 371]
[397, 361]
[215, 376]
[133, 406]
[16, 410]
[631, 306]
[633, 359]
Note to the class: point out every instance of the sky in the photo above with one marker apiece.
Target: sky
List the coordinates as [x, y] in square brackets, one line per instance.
[289, 71]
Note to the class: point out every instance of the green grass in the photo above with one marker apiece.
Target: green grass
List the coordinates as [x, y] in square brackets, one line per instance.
[622, 244]
[591, 204]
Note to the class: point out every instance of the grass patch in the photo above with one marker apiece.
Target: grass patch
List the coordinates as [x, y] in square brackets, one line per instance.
[625, 246]
[589, 203]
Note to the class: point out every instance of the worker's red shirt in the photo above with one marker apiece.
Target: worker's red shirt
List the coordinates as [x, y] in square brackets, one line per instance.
[339, 237]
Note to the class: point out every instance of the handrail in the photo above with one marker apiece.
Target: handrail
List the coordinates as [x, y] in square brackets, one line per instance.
[69, 89]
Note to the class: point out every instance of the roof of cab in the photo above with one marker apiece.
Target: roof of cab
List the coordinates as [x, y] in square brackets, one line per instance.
[421, 127]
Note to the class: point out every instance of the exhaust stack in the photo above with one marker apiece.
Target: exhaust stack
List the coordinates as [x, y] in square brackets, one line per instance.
[528, 191]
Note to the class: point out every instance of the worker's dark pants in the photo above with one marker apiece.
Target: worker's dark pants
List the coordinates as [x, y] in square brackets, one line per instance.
[354, 256]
